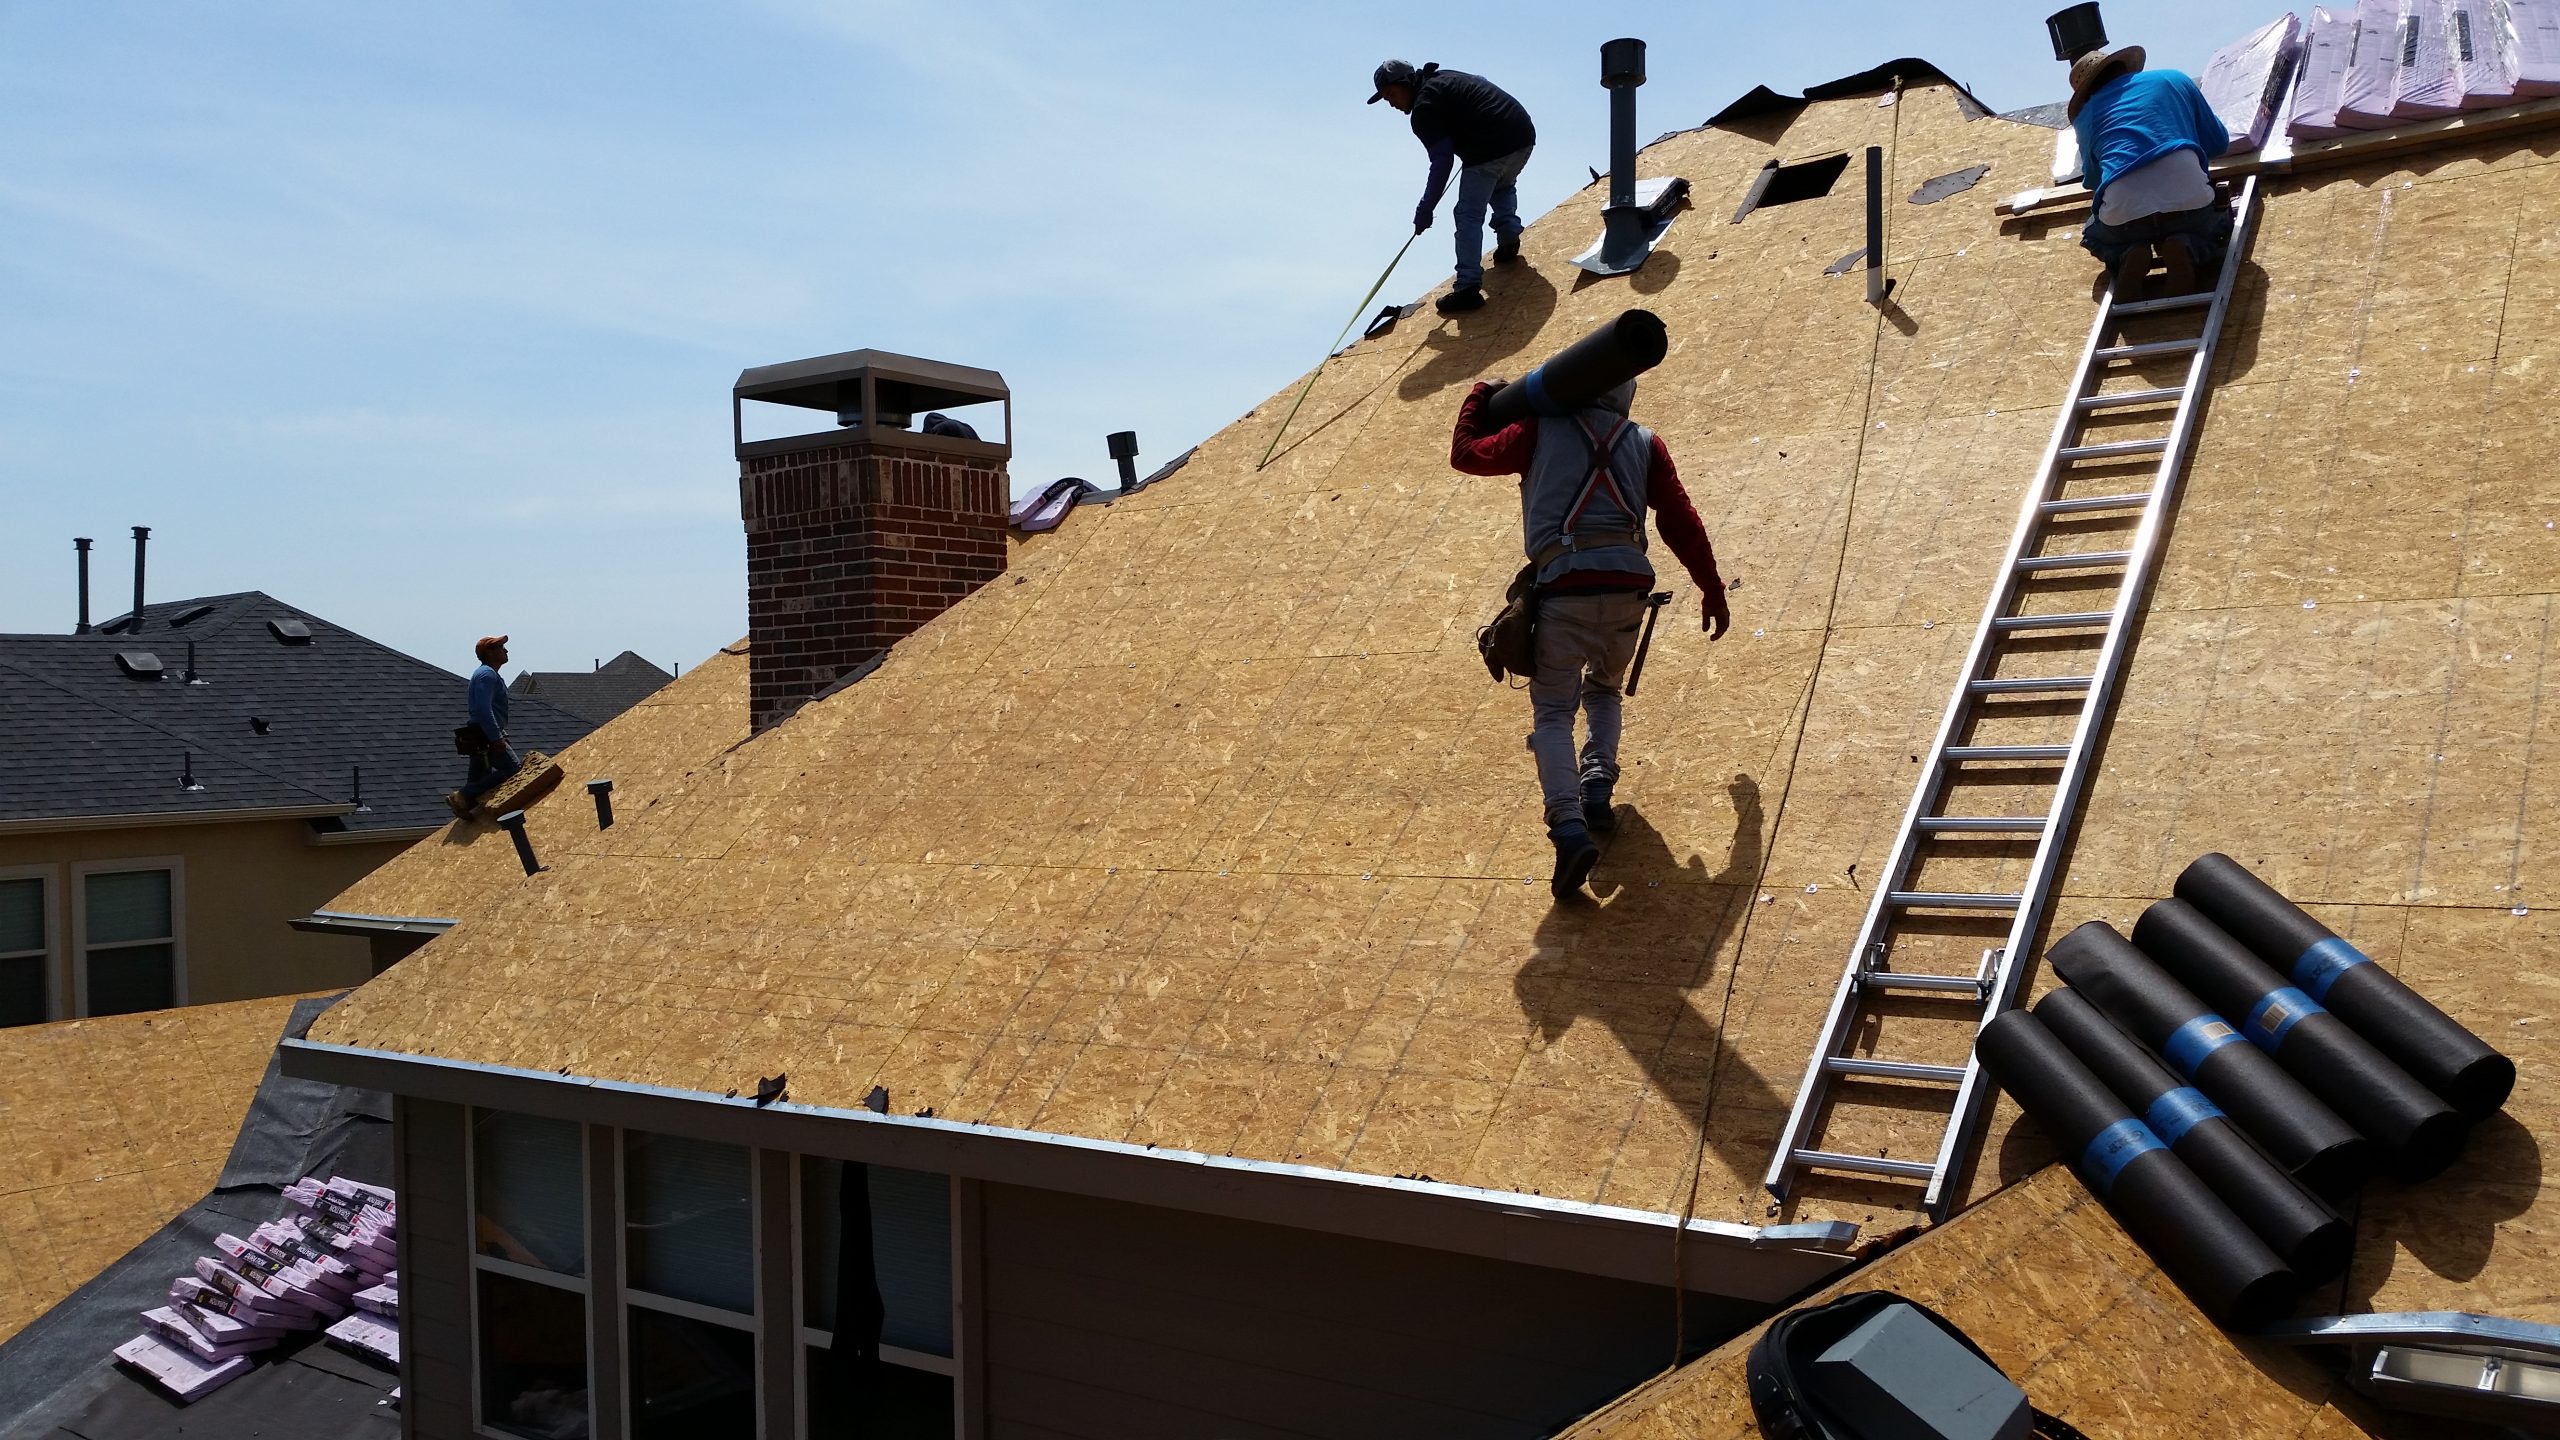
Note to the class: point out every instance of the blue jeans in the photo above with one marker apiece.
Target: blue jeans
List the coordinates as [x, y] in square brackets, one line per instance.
[1494, 184]
[490, 769]
[2209, 228]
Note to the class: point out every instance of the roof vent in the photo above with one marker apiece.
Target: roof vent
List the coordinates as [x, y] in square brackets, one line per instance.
[191, 615]
[290, 632]
[140, 664]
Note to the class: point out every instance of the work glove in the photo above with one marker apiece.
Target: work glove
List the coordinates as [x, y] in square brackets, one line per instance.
[1715, 617]
[1421, 221]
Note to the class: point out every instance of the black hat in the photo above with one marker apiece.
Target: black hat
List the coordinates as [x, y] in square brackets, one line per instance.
[1394, 72]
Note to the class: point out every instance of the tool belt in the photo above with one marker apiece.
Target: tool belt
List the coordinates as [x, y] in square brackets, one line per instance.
[1509, 645]
[1569, 544]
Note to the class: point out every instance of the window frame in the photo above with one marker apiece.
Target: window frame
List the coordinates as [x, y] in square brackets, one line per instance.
[630, 1295]
[48, 896]
[578, 1285]
[81, 871]
[949, 1366]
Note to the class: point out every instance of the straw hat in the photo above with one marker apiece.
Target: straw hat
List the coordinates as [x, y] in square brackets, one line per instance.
[2097, 68]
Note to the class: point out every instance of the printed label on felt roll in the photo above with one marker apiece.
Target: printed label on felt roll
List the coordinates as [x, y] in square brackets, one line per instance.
[2114, 1148]
[2322, 964]
[2177, 1112]
[2193, 1043]
[2276, 1016]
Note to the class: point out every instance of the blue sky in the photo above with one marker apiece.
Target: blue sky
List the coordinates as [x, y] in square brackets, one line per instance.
[423, 317]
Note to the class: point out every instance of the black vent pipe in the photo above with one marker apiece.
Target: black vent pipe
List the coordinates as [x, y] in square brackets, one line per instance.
[82, 544]
[2076, 31]
[1621, 71]
[1123, 445]
[141, 538]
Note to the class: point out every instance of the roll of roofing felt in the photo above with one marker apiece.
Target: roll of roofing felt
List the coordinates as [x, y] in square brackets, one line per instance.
[2418, 1132]
[2304, 1136]
[2306, 1234]
[2224, 1267]
[2432, 1046]
[1585, 370]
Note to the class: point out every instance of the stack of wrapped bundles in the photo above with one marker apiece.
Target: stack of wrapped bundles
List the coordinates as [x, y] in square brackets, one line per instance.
[332, 1264]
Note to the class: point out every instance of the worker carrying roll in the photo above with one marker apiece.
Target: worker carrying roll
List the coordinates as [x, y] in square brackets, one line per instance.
[2432, 1046]
[1582, 372]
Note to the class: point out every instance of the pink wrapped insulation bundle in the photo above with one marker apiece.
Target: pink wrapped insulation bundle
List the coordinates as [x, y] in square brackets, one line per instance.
[2534, 28]
[2483, 48]
[174, 1370]
[171, 1323]
[2245, 82]
[2326, 42]
[2428, 84]
[2373, 67]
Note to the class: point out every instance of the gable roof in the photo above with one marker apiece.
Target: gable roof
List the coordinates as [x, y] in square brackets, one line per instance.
[597, 695]
[109, 747]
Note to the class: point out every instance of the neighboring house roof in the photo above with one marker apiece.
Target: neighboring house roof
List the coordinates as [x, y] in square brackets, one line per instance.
[107, 1128]
[92, 744]
[597, 695]
[647, 752]
[1202, 830]
[265, 1131]
[2068, 1306]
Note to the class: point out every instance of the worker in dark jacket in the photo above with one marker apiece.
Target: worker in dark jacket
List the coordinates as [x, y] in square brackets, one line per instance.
[493, 760]
[1587, 482]
[2145, 139]
[1466, 121]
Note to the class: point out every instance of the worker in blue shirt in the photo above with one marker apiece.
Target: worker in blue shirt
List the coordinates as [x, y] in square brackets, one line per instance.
[2145, 139]
[1464, 121]
[493, 760]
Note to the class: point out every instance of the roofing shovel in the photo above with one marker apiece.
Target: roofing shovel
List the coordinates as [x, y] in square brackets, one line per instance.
[1653, 604]
[1356, 312]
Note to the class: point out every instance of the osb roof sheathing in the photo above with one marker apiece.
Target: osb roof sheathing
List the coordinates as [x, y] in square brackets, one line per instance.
[646, 751]
[110, 1127]
[1203, 828]
[2062, 1301]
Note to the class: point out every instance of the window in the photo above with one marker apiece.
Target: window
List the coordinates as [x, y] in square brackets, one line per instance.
[1786, 184]
[688, 1222]
[903, 1389]
[26, 946]
[528, 1188]
[129, 954]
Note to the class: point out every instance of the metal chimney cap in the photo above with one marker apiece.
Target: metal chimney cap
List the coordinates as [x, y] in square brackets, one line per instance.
[1123, 444]
[1622, 63]
[2076, 30]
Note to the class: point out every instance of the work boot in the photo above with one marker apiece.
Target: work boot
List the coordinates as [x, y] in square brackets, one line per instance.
[2132, 271]
[1575, 855]
[460, 807]
[1461, 300]
[1599, 815]
[2178, 264]
[1506, 248]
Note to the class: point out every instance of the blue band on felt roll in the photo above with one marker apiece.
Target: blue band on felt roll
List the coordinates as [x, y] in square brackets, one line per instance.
[2193, 1043]
[1535, 382]
[2112, 1149]
[2178, 1111]
[2319, 967]
[2275, 1015]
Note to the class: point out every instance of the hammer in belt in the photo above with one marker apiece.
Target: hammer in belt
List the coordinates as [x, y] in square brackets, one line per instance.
[1653, 604]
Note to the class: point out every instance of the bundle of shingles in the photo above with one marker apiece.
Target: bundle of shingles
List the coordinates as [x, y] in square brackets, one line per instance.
[334, 1263]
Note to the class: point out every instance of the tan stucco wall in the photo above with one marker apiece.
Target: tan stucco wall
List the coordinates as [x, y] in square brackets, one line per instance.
[239, 886]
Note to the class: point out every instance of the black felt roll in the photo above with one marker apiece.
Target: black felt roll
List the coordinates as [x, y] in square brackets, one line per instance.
[2222, 1265]
[2303, 1135]
[2306, 1234]
[2418, 1132]
[1585, 370]
[2436, 1049]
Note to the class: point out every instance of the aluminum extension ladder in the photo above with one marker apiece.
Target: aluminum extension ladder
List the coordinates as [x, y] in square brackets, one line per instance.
[1991, 989]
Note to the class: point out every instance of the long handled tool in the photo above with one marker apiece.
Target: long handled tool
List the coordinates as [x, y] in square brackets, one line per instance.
[1356, 312]
[1653, 604]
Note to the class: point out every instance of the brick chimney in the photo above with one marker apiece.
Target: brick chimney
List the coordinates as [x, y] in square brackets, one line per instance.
[858, 535]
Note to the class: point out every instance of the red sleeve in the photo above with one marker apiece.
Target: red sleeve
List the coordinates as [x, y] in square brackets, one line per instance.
[1676, 520]
[1506, 451]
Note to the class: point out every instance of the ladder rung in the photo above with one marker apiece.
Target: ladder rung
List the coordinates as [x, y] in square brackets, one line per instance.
[2145, 352]
[1871, 1164]
[2111, 450]
[2127, 398]
[2085, 560]
[2173, 302]
[2007, 752]
[1893, 1069]
[1951, 900]
[2040, 685]
[1904, 980]
[2077, 620]
[1982, 824]
[2079, 503]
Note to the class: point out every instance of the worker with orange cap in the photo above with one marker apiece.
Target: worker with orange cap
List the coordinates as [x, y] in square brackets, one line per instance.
[493, 760]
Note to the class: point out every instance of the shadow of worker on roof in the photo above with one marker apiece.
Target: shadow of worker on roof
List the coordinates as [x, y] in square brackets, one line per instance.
[1463, 349]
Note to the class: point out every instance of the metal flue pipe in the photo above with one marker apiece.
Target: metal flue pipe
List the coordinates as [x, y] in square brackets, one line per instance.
[1621, 71]
[82, 544]
[141, 538]
[1123, 445]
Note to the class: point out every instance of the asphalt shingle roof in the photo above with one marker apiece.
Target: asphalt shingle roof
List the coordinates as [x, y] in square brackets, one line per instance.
[87, 740]
[598, 695]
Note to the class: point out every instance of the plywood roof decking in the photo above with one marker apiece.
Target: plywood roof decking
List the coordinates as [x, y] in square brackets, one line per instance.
[2063, 1301]
[108, 1128]
[646, 751]
[1203, 829]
